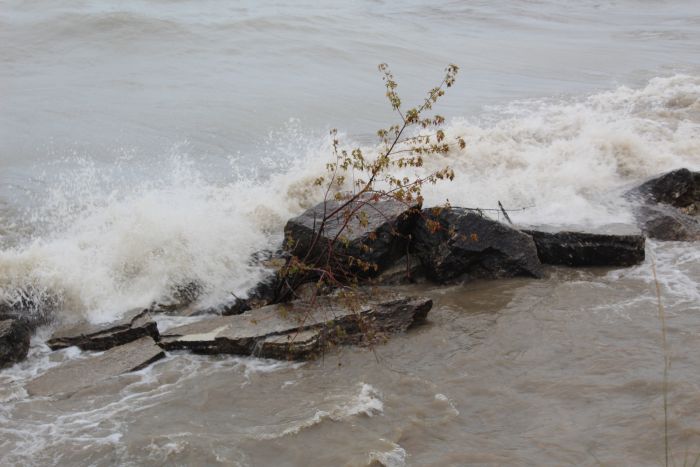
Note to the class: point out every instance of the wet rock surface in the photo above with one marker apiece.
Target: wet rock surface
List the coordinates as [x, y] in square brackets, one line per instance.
[406, 270]
[590, 248]
[135, 324]
[458, 244]
[297, 330]
[14, 341]
[75, 375]
[380, 239]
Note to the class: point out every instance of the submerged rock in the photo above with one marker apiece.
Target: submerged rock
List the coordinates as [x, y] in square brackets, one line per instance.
[181, 299]
[271, 289]
[376, 234]
[32, 308]
[664, 222]
[277, 285]
[78, 374]
[590, 248]
[134, 325]
[671, 205]
[458, 243]
[678, 188]
[297, 330]
[14, 342]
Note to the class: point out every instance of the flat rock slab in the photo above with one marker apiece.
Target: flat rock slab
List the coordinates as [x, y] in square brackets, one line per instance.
[14, 341]
[457, 244]
[78, 374]
[297, 330]
[134, 325]
[569, 248]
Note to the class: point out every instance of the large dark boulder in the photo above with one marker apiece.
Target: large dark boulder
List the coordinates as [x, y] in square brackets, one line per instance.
[589, 248]
[134, 325]
[458, 243]
[376, 233]
[14, 342]
[299, 330]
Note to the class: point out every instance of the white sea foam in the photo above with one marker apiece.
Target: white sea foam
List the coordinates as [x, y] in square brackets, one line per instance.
[568, 160]
[101, 252]
[367, 403]
[104, 243]
[395, 457]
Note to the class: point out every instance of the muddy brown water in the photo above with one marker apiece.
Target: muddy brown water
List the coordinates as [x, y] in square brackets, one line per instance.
[561, 371]
[147, 144]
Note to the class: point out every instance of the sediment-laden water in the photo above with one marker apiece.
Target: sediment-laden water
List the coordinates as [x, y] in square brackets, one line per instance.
[147, 144]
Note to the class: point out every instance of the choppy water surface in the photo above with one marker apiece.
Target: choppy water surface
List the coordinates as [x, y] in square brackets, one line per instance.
[148, 143]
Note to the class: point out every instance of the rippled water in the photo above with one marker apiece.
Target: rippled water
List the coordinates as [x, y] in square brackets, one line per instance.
[146, 143]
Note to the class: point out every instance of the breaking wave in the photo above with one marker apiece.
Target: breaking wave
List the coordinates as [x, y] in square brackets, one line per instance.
[103, 243]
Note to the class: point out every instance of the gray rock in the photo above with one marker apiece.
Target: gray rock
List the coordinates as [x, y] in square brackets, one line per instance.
[297, 330]
[458, 244]
[75, 375]
[380, 240]
[14, 342]
[135, 325]
[624, 248]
